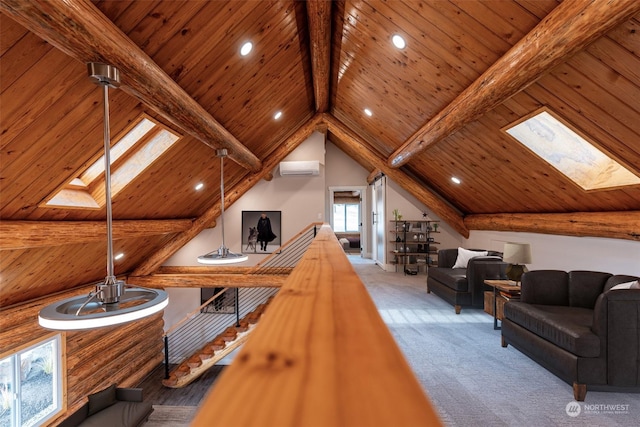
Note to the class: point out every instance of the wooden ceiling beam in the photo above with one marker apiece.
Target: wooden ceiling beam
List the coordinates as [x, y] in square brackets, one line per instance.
[16, 235]
[568, 29]
[161, 281]
[237, 191]
[374, 175]
[80, 30]
[356, 147]
[319, 21]
[615, 225]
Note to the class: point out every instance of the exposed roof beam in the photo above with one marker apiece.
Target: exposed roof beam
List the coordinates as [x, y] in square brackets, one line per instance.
[373, 175]
[34, 234]
[356, 147]
[237, 191]
[160, 281]
[80, 30]
[615, 225]
[569, 28]
[319, 18]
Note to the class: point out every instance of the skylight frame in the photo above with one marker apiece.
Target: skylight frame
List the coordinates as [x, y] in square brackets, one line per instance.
[88, 193]
[569, 160]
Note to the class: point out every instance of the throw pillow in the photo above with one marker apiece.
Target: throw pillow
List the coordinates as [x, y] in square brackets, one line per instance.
[628, 285]
[102, 399]
[464, 255]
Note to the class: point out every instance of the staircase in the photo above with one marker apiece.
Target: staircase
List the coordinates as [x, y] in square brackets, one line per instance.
[214, 350]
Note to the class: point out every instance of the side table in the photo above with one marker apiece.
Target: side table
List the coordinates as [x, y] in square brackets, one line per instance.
[507, 286]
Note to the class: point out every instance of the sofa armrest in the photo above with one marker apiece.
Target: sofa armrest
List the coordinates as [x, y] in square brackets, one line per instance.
[545, 287]
[623, 337]
[129, 394]
[480, 269]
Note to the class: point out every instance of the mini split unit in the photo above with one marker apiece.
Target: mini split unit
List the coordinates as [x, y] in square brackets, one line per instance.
[306, 167]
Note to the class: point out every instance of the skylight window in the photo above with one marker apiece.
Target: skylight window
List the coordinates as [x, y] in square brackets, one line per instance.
[130, 156]
[570, 153]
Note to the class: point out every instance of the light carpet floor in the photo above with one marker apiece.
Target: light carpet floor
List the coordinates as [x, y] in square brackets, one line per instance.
[470, 379]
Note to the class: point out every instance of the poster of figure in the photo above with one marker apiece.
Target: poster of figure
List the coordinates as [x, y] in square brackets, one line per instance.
[261, 231]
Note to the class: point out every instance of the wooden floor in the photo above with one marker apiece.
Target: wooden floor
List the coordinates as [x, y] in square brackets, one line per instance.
[191, 395]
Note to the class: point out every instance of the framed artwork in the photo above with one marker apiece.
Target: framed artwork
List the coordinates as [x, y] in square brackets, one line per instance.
[261, 231]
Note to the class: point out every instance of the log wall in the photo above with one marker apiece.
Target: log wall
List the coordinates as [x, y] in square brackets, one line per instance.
[94, 358]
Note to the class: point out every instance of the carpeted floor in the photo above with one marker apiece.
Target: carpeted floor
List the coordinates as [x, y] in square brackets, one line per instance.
[470, 379]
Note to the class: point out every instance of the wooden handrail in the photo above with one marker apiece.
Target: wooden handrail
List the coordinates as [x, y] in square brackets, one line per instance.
[321, 356]
[287, 243]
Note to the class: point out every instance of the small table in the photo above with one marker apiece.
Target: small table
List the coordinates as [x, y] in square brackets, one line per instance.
[508, 286]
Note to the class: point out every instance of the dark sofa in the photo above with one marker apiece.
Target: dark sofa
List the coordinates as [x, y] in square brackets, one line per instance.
[112, 407]
[579, 329]
[464, 286]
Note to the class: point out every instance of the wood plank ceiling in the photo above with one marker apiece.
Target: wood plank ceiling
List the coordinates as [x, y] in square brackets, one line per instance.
[51, 121]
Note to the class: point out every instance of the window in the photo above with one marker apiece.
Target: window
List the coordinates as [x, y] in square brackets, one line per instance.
[346, 217]
[570, 153]
[135, 151]
[30, 384]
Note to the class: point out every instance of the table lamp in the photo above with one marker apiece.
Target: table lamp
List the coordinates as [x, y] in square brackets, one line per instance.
[516, 254]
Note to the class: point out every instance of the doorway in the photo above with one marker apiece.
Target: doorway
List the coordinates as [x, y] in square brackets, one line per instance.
[347, 216]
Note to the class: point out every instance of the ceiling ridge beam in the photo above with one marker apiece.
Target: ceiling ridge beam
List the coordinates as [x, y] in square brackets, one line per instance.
[15, 235]
[569, 28]
[358, 148]
[236, 192]
[615, 225]
[79, 29]
[319, 21]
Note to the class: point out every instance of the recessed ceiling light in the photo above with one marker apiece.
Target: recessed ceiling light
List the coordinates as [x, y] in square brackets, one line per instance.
[199, 186]
[368, 112]
[456, 180]
[246, 48]
[398, 41]
[278, 115]
[119, 256]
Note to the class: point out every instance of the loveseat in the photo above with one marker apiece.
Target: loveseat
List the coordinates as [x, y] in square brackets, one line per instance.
[580, 327]
[464, 285]
[112, 407]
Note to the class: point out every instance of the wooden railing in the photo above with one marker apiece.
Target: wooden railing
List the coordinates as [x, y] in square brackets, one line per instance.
[321, 356]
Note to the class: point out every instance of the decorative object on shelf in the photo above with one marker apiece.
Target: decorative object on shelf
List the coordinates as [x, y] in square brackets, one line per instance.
[397, 215]
[411, 251]
[113, 301]
[435, 226]
[516, 254]
[222, 255]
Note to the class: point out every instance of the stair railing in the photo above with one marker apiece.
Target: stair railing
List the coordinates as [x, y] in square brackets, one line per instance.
[195, 329]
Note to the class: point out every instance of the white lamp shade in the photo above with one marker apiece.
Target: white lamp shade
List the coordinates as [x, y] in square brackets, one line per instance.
[517, 253]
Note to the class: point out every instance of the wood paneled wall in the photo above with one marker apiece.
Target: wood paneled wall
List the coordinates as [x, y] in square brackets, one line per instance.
[95, 358]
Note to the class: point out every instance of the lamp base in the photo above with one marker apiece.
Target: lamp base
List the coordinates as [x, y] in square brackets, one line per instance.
[515, 271]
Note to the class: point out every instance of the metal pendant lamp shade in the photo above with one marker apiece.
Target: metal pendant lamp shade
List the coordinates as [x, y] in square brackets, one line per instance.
[222, 255]
[113, 301]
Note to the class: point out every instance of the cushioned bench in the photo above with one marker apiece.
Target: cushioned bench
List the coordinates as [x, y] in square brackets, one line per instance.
[112, 407]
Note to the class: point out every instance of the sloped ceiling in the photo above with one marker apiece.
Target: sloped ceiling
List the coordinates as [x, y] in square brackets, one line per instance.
[320, 63]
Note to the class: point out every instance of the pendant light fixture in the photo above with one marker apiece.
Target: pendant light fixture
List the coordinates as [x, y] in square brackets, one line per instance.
[113, 301]
[222, 255]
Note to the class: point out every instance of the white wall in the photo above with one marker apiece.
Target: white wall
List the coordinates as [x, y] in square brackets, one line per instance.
[566, 253]
[343, 171]
[299, 198]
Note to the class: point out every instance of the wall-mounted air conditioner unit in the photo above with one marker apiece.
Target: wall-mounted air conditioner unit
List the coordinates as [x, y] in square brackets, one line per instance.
[306, 167]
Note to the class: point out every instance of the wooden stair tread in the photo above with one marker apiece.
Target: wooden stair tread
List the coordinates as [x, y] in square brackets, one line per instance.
[184, 378]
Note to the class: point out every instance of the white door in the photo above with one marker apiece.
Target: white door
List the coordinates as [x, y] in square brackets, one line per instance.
[379, 219]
